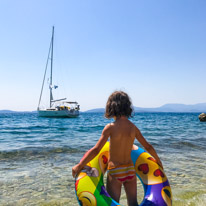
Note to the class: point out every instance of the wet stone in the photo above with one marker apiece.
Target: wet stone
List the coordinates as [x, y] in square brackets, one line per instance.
[202, 117]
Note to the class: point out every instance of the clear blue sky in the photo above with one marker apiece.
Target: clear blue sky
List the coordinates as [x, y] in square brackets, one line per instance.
[154, 50]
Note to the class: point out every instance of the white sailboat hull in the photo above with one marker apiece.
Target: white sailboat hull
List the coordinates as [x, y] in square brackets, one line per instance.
[57, 113]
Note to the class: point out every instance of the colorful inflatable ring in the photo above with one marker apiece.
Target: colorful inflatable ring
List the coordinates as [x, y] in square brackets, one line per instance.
[89, 185]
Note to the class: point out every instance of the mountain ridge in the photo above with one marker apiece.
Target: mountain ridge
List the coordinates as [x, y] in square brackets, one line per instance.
[11, 111]
[170, 107]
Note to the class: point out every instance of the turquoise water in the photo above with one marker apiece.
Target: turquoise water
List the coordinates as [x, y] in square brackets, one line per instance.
[37, 154]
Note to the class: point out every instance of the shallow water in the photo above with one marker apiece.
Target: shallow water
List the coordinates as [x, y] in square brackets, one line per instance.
[37, 154]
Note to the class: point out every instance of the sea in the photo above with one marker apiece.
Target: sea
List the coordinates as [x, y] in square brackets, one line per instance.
[37, 155]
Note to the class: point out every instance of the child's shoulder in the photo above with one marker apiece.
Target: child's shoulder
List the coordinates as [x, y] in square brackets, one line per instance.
[133, 126]
[131, 123]
[108, 126]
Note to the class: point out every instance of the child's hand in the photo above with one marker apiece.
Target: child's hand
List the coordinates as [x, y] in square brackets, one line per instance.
[76, 170]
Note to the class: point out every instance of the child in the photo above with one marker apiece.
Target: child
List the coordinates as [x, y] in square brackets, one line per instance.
[122, 134]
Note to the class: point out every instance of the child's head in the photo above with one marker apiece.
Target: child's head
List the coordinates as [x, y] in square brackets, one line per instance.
[118, 104]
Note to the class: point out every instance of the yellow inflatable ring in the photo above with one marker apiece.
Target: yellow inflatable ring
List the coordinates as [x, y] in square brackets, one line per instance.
[89, 185]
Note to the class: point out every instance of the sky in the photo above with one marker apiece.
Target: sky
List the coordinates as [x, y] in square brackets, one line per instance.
[155, 50]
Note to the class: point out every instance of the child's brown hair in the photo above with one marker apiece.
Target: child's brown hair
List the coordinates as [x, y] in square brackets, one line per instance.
[118, 104]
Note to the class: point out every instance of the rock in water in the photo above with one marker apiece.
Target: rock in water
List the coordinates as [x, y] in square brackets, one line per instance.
[202, 117]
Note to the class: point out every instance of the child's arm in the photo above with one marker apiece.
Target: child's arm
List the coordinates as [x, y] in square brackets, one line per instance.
[147, 146]
[93, 151]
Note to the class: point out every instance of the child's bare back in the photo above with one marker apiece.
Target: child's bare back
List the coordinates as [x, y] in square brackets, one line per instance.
[122, 137]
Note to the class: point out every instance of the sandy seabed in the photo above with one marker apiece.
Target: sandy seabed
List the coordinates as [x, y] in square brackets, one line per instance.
[49, 182]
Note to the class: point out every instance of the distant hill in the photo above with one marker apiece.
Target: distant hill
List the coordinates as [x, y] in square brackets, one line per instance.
[201, 107]
[6, 111]
[10, 111]
[98, 110]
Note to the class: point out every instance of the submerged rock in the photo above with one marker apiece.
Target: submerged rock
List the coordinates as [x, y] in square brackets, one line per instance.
[202, 117]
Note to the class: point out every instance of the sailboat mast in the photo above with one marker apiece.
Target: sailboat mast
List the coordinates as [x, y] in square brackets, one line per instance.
[51, 96]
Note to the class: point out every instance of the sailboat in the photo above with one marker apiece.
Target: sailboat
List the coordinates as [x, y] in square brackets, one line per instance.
[57, 107]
